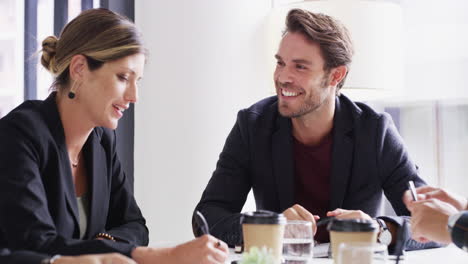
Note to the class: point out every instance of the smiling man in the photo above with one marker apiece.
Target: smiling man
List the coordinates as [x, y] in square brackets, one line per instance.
[310, 152]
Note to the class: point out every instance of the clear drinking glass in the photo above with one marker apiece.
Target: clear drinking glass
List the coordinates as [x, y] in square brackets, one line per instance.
[298, 242]
[362, 253]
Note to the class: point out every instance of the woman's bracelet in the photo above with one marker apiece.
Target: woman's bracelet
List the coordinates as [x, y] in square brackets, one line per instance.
[105, 236]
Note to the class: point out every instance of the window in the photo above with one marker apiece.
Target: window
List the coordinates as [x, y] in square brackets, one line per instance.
[11, 54]
[45, 28]
[12, 45]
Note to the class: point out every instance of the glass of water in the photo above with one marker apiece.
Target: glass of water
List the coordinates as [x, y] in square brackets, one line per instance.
[298, 242]
[362, 253]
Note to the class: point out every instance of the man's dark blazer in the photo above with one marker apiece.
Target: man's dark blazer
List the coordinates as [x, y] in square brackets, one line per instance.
[368, 158]
[38, 205]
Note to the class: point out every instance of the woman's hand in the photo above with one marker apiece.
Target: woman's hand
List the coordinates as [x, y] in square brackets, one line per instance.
[202, 250]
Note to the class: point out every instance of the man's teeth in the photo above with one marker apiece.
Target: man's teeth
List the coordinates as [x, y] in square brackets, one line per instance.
[286, 93]
[121, 109]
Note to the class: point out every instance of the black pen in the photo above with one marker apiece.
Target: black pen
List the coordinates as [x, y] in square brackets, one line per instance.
[412, 189]
[399, 247]
[203, 224]
[324, 221]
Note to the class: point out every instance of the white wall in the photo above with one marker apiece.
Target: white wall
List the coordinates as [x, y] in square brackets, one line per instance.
[207, 61]
[436, 49]
[436, 65]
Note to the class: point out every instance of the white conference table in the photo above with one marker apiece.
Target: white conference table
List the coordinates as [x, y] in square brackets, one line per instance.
[447, 255]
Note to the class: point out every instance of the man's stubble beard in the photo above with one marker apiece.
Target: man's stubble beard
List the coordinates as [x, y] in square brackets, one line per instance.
[309, 105]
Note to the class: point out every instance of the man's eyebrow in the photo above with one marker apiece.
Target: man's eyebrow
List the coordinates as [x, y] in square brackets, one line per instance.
[301, 61]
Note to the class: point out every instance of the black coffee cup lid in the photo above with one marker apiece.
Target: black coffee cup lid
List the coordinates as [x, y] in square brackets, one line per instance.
[352, 225]
[263, 217]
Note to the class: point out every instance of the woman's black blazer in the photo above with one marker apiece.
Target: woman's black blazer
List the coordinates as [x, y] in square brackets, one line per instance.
[38, 206]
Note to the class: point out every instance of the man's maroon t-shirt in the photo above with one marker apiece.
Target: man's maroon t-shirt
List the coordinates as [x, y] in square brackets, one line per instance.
[312, 179]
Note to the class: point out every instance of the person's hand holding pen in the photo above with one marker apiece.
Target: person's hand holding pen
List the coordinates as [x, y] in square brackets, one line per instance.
[430, 213]
[205, 249]
[428, 192]
[214, 249]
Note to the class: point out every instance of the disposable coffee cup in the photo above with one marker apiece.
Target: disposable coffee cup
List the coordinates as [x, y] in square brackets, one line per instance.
[264, 229]
[351, 230]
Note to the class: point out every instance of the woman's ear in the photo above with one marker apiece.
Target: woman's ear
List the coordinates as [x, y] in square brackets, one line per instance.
[78, 67]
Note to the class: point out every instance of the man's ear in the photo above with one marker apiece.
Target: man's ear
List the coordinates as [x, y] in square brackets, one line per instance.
[78, 67]
[337, 75]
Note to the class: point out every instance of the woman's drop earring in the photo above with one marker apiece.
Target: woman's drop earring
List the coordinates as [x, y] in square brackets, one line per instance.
[71, 93]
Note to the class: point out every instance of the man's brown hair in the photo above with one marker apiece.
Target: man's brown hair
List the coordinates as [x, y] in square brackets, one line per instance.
[332, 36]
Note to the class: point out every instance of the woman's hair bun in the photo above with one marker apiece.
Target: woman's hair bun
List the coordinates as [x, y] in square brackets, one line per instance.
[49, 45]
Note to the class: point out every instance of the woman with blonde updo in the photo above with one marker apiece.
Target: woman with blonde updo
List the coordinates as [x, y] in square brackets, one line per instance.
[62, 188]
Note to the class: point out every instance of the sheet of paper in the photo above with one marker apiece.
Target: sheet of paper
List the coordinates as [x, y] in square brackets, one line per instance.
[321, 250]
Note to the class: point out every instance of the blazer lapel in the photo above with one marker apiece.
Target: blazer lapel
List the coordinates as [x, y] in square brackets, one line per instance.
[283, 162]
[54, 122]
[69, 187]
[96, 168]
[342, 155]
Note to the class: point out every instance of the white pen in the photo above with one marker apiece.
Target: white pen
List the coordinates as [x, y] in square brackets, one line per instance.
[413, 190]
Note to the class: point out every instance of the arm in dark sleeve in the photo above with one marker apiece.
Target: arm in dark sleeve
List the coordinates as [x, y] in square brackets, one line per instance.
[125, 221]
[396, 169]
[459, 232]
[25, 221]
[22, 257]
[227, 190]
[409, 244]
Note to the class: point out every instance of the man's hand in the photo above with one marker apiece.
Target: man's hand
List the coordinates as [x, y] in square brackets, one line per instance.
[297, 212]
[349, 214]
[429, 192]
[429, 220]
[358, 214]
